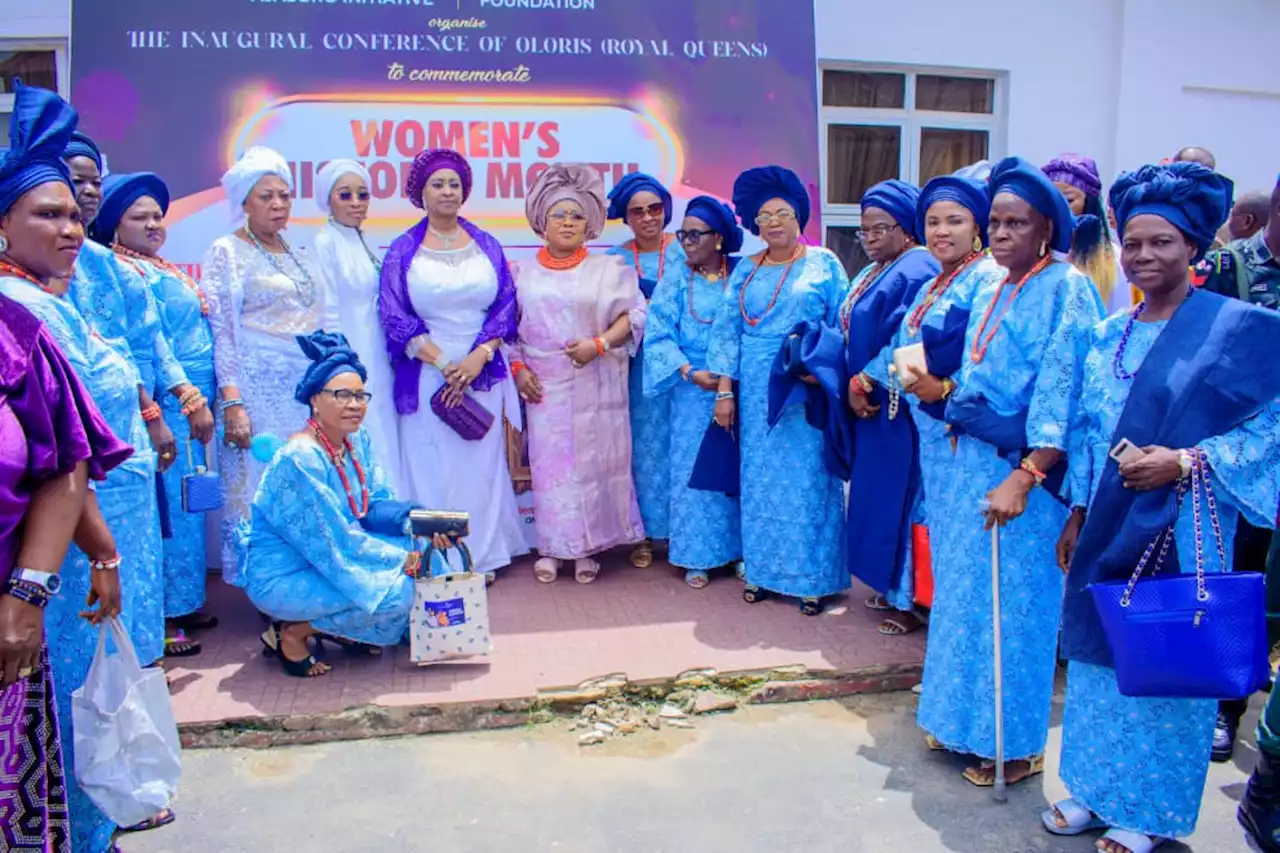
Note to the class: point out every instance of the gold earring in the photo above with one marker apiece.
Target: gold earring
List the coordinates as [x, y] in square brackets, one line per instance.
[977, 243]
[718, 245]
[1044, 248]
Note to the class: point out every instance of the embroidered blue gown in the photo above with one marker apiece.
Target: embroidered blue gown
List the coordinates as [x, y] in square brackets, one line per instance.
[127, 500]
[792, 506]
[651, 416]
[309, 560]
[704, 529]
[935, 448]
[187, 330]
[1032, 364]
[1140, 763]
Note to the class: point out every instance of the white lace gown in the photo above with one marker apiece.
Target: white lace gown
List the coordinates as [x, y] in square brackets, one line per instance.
[256, 313]
[452, 291]
[350, 277]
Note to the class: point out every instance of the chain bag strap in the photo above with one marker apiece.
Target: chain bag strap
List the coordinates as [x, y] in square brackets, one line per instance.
[1200, 635]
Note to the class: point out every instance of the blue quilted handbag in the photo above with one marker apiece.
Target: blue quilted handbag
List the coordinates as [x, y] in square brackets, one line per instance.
[201, 488]
[1187, 636]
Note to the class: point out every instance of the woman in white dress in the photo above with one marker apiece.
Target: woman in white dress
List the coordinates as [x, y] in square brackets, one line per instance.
[447, 304]
[262, 294]
[348, 270]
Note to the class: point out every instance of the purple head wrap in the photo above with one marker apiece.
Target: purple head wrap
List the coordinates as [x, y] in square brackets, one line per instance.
[576, 182]
[430, 161]
[1077, 171]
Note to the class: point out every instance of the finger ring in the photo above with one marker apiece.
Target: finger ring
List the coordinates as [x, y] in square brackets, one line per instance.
[26, 672]
[166, 455]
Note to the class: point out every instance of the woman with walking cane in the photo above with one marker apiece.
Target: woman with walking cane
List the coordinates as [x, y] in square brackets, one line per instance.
[1021, 366]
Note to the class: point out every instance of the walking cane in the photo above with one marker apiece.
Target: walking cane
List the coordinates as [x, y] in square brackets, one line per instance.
[1000, 795]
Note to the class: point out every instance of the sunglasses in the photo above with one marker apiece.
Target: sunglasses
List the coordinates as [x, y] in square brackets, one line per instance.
[692, 236]
[347, 195]
[654, 211]
[767, 216]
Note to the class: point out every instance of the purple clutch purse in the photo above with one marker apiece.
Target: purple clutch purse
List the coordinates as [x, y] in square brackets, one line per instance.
[469, 420]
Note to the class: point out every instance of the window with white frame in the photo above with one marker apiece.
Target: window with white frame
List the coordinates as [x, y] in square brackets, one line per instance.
[881, 123]
[34, 62]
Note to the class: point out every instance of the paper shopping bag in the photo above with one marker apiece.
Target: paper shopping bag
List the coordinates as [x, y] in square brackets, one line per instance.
[450, 618]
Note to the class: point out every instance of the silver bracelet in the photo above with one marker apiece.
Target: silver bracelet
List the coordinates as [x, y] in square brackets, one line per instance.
[724, 395]
[230, 404]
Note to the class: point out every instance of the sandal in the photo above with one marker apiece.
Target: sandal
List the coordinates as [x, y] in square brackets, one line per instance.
[934, 744]
[878, 603]
[811, 606]
[740, 570]
[753, 594]
[163, 818]
[546, 569]
[585, 570]
[490, 578]
[1077, 818]
[900, 624]
[697, 578]
[1134, 842]
[308, 667]
[198, 621]
[984, 775]
[350, 646]
[642, 556]
[178, 646]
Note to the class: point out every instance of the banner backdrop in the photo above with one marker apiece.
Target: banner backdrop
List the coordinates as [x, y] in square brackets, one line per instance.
[691, 91]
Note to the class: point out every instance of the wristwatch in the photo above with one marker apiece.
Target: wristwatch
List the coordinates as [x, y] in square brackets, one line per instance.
[49, 582]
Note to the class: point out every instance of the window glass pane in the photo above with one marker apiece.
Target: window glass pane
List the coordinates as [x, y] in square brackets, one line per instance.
[845, 243]
[864, 89]
[33, 67]
[955, 94]
[944, 150]
[858, 157]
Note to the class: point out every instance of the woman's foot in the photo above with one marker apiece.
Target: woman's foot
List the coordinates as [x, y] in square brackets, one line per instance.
[753, 594]
[739, 571]
[162, 818]
[696, 578]
[490, 578]
[984, 774]
[178, 646]
[546, 569]
[295, 656]
[811, 606]
[1070, 817]
[585, 570]
[899, 624]
[878, 603]
[1124, 841]
[934, 744]
[198, 621]
[642, 555]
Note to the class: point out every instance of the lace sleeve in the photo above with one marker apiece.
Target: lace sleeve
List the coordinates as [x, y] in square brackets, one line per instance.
[1056, 391]
[217, 278]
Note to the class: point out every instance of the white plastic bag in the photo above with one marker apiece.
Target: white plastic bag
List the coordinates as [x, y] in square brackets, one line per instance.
[127, 753]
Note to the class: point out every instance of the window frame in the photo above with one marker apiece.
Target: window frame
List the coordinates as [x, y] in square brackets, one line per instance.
[911, 121]
[61, 68]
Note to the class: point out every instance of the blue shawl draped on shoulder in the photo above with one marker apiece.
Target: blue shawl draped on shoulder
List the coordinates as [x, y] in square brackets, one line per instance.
[1212, 368]
[817, 350]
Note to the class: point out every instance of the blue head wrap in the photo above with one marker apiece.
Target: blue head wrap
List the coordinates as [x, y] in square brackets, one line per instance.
[756, 186]
[637, 182]
[39, 129]
[898, 199]
[82, 146]
[720, 217]
[978, 171]
[1029, 183]
[119, 192]
[969, 193]
[1194, 199]
[330, 356]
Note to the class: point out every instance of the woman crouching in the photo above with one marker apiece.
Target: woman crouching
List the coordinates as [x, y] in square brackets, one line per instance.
[311, 560]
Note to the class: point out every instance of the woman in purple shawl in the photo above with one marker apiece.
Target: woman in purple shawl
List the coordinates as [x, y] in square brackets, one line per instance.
[447, 304]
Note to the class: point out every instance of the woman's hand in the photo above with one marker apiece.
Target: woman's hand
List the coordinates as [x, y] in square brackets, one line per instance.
[725, 412]
[925, 386]
[529, 387]
[239, 432]
[861, 404]
[581, 352]
[808, 379]
[21, 636]
[442, 542]
[1067, 540]
[162, 440]
[104, 591]
[1157, 467]
[461, 375]
[1008, 500]
[705, 379]
[201, 422]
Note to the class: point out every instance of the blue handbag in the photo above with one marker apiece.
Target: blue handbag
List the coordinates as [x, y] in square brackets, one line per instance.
[1187, 636]
[201, 488]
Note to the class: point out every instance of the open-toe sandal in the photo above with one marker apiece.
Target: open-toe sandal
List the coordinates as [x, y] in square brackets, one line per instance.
[546, 569]
[585, 570]
[753, 594]
[1077, 818]
[179, 646]
[642, 556]
[697, 578]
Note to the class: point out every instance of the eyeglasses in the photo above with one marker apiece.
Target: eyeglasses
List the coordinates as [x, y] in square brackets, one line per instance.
[764, 217]
[877, 231]
[561, 216]
[692, 236]
[347, 195]
[347, 397]
[651, 211]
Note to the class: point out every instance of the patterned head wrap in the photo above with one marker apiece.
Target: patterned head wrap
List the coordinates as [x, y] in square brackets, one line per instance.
[1075, 170]
[567, 182]
[254, 165]
[1196, 200]
[430, 161]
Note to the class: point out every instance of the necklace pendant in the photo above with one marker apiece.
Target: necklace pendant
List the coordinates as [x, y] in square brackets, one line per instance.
[713, 277]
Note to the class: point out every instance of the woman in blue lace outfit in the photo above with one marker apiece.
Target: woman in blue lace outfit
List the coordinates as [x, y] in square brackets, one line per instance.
[792, 505]
[1137, 765]
[645, 205]
[704, 531]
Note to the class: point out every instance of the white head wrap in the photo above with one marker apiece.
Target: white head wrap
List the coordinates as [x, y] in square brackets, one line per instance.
[254, 165]
[332, 172]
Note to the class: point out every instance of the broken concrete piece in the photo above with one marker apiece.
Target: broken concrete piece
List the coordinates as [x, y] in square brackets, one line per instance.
[671, 712]
[680, 724]
[590, 739]
[711, 703]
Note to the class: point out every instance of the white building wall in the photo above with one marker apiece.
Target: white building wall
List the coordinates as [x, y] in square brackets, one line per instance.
[35, 19]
